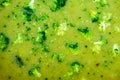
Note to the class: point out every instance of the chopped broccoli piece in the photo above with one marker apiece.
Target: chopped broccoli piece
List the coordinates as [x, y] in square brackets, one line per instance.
[61, 29]
[58, 4]
[42, 18]
[54, 56]
[105, 64]
[34, 71]
[40, 38]
[45, 48]
[55, 26]
[115, 49]
[19, 61]
[28, 29]
[5, 3]
[34, 49]
[25, 37]
[98, 45]
[84, 30]
[105, 22]
[103, 40]
[69, 74]
[103, 25]
[76, 66]
[72, 45]
[94, 16]
[4, 41]
[28, 11]
[33, 39]
[59, 57]
[102, 3]
[21, 37]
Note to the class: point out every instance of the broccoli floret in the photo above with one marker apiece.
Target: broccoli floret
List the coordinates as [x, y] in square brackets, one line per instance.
[59, 57]
[58, 4]
[94, 16]
[28, 11]
[45, 48]
[42, 18]
[55, 26]
[19, 61]
[21, 37]
[103, 40]
[105, 64]
[40, 38]
[72, 45]
[115, 49]
[76, 66]
[69, 74]
[5, 3]
[34, 71]
[84, 30]
[4, 41]
[102, 3]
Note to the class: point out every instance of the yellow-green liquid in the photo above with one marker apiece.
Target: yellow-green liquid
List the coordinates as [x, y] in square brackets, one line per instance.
[99, 60]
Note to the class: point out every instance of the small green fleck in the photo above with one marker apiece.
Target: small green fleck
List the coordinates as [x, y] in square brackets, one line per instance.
[103, 40]
[5, 26]
[5, 3]
[40, 39]
[69, 74]
[45, 48]
[34, 49]
[28, 29]
[72, 45]
[4, 42]
[94, 16]
[57, 5]
[83, 30]
[59, 57]
[102, 3]
[55, 26]
[19, 61]
[34, 71]
[105, 64]
[115, 50]
[28, 11]
[77, 67]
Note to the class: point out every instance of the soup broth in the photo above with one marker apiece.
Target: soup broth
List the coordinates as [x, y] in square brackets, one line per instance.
[59, 40]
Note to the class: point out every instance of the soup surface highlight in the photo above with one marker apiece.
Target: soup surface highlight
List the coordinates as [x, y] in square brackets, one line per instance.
[59, 40]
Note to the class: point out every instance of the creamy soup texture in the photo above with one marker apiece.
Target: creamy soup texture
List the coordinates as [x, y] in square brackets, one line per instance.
[59, 39]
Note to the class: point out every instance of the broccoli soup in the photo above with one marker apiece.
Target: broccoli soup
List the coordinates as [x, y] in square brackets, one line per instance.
[59, 40]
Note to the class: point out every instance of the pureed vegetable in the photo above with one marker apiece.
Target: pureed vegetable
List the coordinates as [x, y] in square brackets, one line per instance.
[59, 40]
